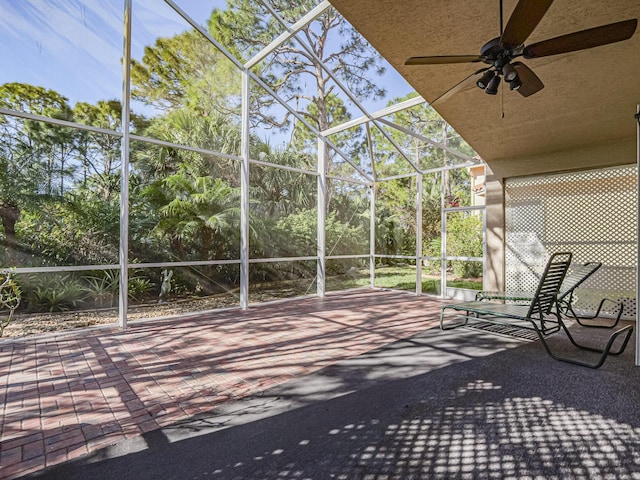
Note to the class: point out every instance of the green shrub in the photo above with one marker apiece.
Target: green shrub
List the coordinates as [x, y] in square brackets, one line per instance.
[464, 239]
[138, 288]
[56, 294]
[10, 295]
[341, 237]
[103, 288]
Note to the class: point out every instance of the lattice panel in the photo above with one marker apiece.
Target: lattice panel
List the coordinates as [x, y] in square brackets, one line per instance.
[591, 214]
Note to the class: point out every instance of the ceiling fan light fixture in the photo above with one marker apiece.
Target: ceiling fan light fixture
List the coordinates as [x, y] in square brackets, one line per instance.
[494, 83]
[483, 81]
[515, 84]
[509, 72]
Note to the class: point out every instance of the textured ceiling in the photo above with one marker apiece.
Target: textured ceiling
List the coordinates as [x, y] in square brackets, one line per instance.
[590, 96]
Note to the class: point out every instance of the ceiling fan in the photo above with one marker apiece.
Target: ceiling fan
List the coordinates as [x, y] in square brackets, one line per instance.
[500, 52]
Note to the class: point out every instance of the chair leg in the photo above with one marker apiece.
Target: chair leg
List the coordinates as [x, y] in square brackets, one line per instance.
[451, 326]
[580, 319]
[600, 350]
[605, 352]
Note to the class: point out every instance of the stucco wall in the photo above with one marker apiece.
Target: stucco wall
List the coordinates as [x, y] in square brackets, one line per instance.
[618, 152]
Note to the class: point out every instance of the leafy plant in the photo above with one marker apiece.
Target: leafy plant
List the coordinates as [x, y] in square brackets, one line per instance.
[103, 289]
[464, 239]
[138, 288]
[57, 294]
[9, 299]
[297, 234]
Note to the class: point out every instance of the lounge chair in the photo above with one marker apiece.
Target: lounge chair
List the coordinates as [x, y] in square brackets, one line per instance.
[575, 277]
[541, 313]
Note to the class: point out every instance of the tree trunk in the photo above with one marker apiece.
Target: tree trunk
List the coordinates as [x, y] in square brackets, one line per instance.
[10, 215]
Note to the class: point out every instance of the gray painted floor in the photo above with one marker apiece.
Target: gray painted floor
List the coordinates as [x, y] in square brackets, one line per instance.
[442, 405]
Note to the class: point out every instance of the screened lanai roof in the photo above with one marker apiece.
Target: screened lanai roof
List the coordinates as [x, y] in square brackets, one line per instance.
[92, 40]
[91, 43]
[364, 114]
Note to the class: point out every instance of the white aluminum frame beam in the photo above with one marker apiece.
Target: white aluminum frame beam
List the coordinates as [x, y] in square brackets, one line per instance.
[322, 217]
[428, 140]
[338, 257]
[372, 235]
[372, 153]
[443, 241]
[398, 107]
[123, 302]
[403, 257]
[190, 263]
[350, 180]
[244, 196]
[283, 259]
[290, 32]
[450, 167]
[164, 143]
[66, 268]
[419, 235]
[259, 81]
[56, 121]
[282, 167]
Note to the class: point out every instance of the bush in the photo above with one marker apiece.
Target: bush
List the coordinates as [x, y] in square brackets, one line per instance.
[55, 294]
[9, 299]
[341, 237]
[138, 288]
[103, 288]
[464, 239]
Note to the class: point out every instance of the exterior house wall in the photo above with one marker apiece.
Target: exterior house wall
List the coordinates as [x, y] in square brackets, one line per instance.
[607, 154]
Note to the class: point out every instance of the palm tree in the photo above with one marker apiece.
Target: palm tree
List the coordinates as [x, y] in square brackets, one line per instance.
[279, 192]
[200, 215]
[215, 132]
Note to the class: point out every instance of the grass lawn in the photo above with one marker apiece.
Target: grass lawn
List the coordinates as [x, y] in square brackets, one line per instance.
[400, 277]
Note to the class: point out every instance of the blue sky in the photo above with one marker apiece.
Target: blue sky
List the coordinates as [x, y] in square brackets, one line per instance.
[75, 46]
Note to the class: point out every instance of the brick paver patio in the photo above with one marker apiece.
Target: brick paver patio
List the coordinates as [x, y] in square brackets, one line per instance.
[65, 395]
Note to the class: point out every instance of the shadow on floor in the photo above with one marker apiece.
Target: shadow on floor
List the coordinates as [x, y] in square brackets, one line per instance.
[461, 404]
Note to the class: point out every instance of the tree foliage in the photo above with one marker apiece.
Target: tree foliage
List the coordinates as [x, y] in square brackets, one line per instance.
[186, 71]
[200, 215]
[299, 70]
[60, 186]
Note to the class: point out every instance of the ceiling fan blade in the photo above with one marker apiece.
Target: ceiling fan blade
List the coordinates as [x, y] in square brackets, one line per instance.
[593, 37]
[461, 85]
[523, 21]
[530, 81]
[444, 59]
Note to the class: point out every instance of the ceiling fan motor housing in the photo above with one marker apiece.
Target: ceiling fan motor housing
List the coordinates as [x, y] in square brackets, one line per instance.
[493, 53]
